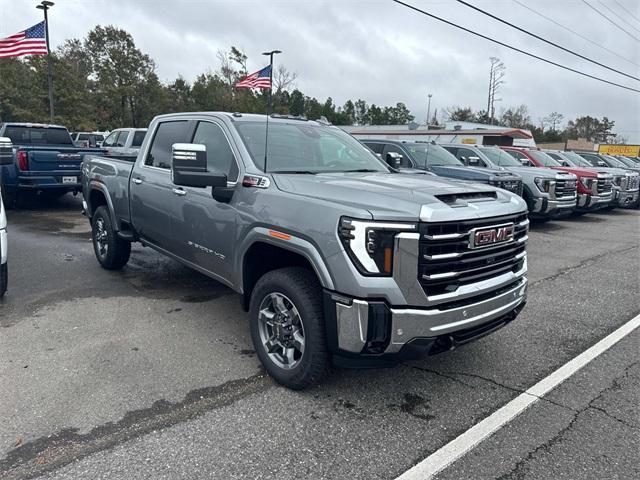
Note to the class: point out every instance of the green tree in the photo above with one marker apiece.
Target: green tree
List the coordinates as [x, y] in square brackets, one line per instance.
[296, 103]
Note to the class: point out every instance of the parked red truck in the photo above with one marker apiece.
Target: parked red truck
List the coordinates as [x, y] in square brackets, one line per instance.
[594, 189]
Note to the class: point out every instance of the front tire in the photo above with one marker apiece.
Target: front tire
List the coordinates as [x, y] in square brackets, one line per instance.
[111, 251]
[288, 328]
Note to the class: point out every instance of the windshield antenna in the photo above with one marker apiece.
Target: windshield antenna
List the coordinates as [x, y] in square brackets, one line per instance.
[269, 106]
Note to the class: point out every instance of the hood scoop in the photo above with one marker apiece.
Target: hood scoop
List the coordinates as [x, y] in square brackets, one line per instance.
[463, 199]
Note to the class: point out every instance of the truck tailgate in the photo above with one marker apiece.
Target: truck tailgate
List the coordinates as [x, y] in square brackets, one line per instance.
[42, 159]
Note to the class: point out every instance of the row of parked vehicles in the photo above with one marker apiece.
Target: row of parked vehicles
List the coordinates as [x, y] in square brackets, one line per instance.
[340, 256]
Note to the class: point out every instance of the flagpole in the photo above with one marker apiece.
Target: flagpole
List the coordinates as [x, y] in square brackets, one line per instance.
[45, 5]
[269, 106]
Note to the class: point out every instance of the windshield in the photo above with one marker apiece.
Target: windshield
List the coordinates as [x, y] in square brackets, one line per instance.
[614, 162]
[576, 159]
[431, 155]
[500, 157]
[628, 162]
[20, 135]
[544, 159]
[307, 148]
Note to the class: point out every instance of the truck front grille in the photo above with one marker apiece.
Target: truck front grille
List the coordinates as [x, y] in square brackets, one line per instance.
[605, 185]
[633, 182]
[447, 259]
[565, 188]
[514, 186]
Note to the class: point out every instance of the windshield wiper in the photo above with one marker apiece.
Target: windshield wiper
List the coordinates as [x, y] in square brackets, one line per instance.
[301, 172]
[361, 170]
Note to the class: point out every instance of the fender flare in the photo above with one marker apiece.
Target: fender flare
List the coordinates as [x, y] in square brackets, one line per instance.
[101, 187]
[294, 244]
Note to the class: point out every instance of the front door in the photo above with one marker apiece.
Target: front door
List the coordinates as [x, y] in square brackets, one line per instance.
[151, 191]
[205, 226]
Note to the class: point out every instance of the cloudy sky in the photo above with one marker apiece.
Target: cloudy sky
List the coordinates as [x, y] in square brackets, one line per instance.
[381, 51]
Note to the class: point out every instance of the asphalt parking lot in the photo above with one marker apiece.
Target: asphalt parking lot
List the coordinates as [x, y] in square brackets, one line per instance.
[150, 372]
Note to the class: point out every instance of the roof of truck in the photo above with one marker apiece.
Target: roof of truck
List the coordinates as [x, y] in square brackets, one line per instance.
[27, 124]
[249, 117]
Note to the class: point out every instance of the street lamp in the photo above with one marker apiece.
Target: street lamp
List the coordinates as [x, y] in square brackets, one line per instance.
[45, 5]
[429, 109]
[270, 55]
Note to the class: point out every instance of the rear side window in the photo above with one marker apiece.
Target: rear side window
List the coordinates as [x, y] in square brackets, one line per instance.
[138, 137]
[38, 135]
[166, 135]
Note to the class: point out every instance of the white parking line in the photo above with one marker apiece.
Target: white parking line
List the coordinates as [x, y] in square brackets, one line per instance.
[445, 456]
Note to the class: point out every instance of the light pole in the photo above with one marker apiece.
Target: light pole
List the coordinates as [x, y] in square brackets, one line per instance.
[429, 109]
[270, 55]
[45, 5]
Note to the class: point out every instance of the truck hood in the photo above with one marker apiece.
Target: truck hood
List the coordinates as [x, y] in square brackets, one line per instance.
[579, 172]
[534, 172]
[472, 173]
[399, 196]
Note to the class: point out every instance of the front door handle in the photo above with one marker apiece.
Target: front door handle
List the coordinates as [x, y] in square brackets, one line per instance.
[137, 181]
[179, 191]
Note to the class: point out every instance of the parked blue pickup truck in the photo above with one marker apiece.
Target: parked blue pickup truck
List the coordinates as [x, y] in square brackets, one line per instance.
[44, 160]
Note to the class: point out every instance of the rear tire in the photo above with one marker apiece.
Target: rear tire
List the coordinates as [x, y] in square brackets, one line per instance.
[4, 279]
[111, 251]
[288, 327]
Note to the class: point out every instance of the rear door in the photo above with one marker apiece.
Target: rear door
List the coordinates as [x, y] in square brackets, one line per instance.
[151, 190]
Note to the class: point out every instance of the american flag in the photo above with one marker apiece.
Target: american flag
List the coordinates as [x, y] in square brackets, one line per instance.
[28, 42]
[259, 79]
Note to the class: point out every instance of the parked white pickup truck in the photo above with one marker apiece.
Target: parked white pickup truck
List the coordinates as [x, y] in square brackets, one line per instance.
[6, 158]
[124, 142]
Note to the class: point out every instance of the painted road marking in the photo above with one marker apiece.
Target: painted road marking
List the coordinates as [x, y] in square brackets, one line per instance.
[452, 451]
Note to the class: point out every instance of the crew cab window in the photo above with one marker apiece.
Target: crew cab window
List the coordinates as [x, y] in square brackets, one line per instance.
[138, 137]
[220, 157]
[23, 135]
[521, 157]
[389, 147]
[469, 157]
[122, 138]
[375, 147]
[110, 141]
[166, 135]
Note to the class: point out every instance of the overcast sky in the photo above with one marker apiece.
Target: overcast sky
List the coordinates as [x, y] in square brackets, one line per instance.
[380, 51]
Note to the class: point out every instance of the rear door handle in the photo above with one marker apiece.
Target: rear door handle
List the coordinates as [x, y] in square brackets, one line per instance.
[179, 191]
[137, 181]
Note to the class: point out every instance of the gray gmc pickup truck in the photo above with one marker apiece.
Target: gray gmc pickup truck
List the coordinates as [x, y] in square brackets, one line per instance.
[336, 256]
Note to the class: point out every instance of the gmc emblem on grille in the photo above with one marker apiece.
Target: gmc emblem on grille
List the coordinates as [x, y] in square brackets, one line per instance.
[485, 237]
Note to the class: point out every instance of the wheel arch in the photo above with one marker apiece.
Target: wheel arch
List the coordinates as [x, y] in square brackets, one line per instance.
[99, 196]
[265, 253]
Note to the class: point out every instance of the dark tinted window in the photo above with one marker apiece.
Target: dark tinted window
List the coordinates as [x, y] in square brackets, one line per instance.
[38, 136]
[219, 154]
[376, 147]
[138, 137]
[390, 147]
[166, 135]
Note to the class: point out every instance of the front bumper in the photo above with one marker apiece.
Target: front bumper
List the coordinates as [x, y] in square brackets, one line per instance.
[627, 198]
[588, 202]
[3, 246]
[546, 206]
[370, 333]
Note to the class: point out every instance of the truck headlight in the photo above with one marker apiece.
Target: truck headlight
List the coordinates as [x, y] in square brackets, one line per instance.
[370, 244]
[544, 184]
